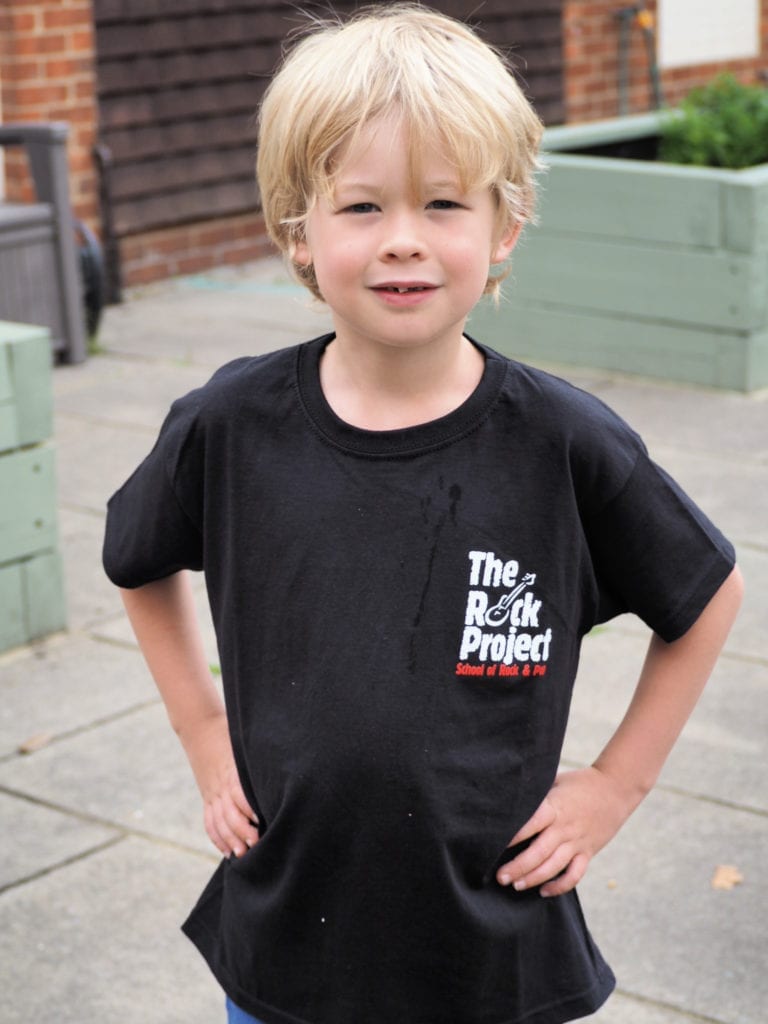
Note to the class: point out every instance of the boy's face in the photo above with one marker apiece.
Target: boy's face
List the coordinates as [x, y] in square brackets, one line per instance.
[399, 269]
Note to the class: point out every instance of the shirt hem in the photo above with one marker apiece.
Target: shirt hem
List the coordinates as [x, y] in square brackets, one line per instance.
[570, 1008]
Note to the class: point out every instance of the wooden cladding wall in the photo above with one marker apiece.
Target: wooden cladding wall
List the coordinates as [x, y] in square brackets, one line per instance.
[179, 81]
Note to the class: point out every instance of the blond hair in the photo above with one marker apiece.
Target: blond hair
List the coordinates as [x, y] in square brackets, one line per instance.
[451, 90]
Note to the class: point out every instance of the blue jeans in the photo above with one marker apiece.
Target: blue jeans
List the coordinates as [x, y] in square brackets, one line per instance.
[237, 1016]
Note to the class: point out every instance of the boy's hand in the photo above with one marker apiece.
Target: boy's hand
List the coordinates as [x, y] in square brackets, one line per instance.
[586, 808]
[580, 814]
[229, 820]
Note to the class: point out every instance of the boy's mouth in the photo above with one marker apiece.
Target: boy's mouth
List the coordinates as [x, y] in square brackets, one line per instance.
[398, 289]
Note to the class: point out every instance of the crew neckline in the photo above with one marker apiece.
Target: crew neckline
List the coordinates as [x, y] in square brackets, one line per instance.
[406, 440]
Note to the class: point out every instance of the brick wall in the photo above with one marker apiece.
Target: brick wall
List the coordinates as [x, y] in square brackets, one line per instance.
[47, 74]
[193, 248]
[591, 59]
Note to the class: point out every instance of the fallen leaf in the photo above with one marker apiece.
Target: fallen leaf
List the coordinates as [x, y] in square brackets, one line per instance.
[36, 742]
[726, 876]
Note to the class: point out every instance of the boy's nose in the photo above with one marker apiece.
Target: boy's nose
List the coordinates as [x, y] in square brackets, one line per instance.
[401, 240]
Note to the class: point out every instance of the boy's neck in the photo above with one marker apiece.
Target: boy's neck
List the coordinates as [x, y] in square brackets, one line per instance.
[393, 388]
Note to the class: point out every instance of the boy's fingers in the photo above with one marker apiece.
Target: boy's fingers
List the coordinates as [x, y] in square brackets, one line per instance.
[228, 828]
[236, 828]
[248, 832]
[542, 818]
[568, 880]
[242, 804]
[224, 830]
[545, 870]
[530, 867]
[538, 856]
[213, 831]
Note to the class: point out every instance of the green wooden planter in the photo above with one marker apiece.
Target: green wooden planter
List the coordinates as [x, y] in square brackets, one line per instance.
[31, 577]
[638, 266]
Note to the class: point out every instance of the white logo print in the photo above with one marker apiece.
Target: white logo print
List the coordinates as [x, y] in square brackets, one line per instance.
[497, 615]
[524, 648]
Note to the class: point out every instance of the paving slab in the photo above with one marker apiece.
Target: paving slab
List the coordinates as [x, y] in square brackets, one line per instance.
[93, 460]
[118, 628]
[98, 941]
[245, 317]
[623, 1009]
[749, 636]
[669, 935]
[43, 839]
[723, 751]
[65, 684]
[732, 492]
[130, 772]
[89, 594]
[719, 422]
[177, 338]
[124, 391]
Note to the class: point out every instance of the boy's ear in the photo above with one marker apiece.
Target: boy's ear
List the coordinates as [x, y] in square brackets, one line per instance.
[506, 243]
[301, 254]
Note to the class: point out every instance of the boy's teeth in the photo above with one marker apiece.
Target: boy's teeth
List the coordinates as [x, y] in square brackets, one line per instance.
[401, 291]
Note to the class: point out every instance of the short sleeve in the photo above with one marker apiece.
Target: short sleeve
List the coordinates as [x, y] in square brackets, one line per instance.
[655, 553]
[154, 522]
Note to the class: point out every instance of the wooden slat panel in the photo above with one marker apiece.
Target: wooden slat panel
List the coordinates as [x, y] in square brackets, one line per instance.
[756, 375]
[620, 199]
[28, 509]
[43, 590]
[716, 289]
[28, 351]
[154, 140]
[13, 630]
[655, 349]
[172, 104]
[32, 599]
[124, 10]
[171, 174]
[474, 12]
[168, 209]
[520, 30]
[119, 75]
[171, 35]
[745, 210]
[180, 80]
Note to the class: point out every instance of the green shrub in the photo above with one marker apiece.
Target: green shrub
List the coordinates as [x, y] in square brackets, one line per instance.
[723, 124]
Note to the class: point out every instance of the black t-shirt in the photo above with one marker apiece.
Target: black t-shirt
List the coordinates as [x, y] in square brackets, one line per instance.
[399, 616]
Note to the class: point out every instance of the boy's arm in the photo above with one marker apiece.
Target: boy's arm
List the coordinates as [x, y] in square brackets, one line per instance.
[586, 808]
[164, 620]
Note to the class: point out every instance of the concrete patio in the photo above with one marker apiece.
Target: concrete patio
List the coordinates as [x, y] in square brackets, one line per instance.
[103, 846]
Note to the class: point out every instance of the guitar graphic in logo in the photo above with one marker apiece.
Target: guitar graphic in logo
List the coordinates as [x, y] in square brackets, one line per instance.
[498, 615]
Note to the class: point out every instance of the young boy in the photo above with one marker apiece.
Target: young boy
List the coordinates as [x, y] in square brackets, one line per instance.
[405, 537]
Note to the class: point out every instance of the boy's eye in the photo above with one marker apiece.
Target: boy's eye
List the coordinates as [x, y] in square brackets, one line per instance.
[360, 208]
[443, 204]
